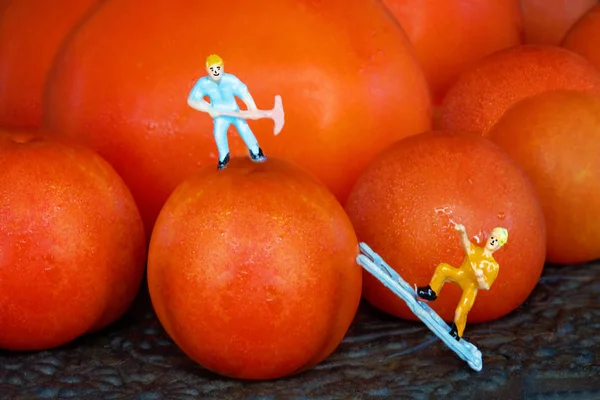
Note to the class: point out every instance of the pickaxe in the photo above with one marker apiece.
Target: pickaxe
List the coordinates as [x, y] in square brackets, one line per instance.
[276, 114]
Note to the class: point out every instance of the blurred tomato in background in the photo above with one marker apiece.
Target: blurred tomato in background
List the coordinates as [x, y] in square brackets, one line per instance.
[496, 82]
[547, 21]
[450, 35]
[584, 37]
[31, 33]
[346, 72]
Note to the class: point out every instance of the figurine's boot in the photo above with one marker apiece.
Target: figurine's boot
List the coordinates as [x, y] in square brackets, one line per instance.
[426, 293]
[258, 157]
[454, 332]
[223, 163]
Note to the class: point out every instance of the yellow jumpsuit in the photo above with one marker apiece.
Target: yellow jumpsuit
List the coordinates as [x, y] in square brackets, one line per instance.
[467, 280]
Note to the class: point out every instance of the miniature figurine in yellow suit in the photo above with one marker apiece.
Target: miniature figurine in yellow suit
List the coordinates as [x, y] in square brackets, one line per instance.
[478, 271]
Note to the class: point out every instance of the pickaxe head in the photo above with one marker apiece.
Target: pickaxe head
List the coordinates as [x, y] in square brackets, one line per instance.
[278, 116]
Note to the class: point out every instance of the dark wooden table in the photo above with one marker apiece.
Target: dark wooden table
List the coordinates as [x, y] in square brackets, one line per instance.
[549, 348]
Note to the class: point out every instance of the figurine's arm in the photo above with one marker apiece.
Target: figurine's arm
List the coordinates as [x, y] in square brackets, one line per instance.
[486, 275]
[200, 105]
[464, 238]
[241, 91]
[481, 280]
[196, 98]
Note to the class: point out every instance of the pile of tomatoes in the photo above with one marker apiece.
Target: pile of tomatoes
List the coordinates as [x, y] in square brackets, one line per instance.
[401, 116]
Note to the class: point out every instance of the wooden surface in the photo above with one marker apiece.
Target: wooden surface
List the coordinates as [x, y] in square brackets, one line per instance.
[549, 348]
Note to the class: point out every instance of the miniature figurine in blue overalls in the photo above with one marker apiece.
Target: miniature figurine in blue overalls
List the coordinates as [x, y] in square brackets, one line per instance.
[222, 88]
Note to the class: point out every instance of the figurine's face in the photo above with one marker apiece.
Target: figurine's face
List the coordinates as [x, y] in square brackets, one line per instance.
[497, 238]
[215, 72]
[492, 243]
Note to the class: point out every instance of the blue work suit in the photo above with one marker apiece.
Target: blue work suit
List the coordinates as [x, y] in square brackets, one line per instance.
[222, 98]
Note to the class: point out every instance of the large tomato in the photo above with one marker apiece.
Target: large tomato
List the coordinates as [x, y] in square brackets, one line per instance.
[555, 137]
[345, 70]
[493, 84]
[252, 269]
[72, 244]
[404, 203]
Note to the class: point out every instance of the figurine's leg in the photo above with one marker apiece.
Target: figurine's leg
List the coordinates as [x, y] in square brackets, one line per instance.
[248, 137]
[220, 132]
[443, 272]
[464, 306]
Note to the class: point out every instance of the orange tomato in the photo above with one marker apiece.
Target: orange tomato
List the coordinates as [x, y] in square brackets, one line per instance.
[252, 269]
[405, 201]
[547, 21]
[72, 243]
[450, 35]
[346, 72]
[555, 138]
[482, 94]
[31, 33]
[584, 36]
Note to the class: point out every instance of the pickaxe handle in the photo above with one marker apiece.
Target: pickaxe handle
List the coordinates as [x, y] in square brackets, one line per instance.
[258, 114]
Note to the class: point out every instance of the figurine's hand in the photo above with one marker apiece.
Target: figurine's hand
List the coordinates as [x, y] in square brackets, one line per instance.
[214, 113]
[480, 279]
[460, 227]
[483, 284]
